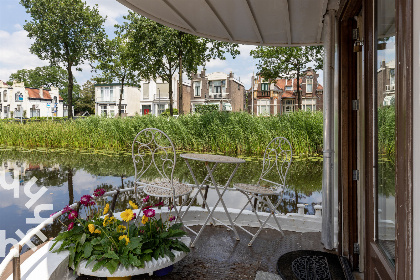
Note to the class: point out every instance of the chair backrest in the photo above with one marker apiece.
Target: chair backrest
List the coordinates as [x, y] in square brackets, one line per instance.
[153, 148]
[277, 157]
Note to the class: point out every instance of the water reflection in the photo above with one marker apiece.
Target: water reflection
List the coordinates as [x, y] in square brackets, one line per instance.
[68, 176]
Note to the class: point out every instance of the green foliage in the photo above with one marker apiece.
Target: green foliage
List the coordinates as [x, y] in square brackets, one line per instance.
[167, 113]
[217, 132]
[109, 242]
[45, 76]
[65, 32]
[86, 99]
[287, 62]
[159, 51]
[206, 108]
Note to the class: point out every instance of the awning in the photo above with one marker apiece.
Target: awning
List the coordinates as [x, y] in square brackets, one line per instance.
[256, 22]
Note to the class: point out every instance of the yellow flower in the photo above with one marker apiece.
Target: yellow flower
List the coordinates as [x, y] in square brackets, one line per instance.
[106, 209]
[105, 221]
[121, 228]
[133, 205]
[127, 215]
[144, 220]
[91, 228]
[98, 231]
[127, 240]
[112, 219]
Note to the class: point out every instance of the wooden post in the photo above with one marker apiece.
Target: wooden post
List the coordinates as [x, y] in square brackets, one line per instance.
[16, 264]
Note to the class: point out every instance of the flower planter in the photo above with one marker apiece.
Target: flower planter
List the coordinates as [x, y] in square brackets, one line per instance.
[149, 267]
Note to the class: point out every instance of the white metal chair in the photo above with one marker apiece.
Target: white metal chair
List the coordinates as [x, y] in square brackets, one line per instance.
[277, 157]
[153, 148]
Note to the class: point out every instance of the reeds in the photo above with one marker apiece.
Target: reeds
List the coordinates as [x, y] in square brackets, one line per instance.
[216, 132]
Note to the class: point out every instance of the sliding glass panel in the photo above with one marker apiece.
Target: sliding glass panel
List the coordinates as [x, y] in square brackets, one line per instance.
[385, 126]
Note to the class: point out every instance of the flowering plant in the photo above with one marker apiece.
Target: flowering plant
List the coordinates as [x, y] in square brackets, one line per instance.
[109, 242]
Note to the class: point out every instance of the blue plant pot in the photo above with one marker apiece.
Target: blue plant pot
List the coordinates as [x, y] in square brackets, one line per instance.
[164, 271]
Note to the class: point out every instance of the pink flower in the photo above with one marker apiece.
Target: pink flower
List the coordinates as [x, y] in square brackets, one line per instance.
[71, 225]
[134, 216]
[147, 207]
[67, 209]
[73, 215]
[99, 192]
[91, 203]
[146, 199]
[149, 213]
[171, 218]
[85, 200]
[160, 204]
[170, 207]
[53, 214]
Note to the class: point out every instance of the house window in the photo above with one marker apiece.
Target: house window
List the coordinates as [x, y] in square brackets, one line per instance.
[288, 106]
[34, 112]
[18, 97]
[161, 108]
[123, 109]
[107, 94]
[264, 86]
[392, 76]
[197, 89]
[104, 110]
[146, 91]
[5, 96]
[309, 85]
[111, 111]
[263, 107]
[289, 88]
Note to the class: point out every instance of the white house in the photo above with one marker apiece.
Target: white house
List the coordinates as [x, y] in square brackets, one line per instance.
[19, 101]
[152, 97]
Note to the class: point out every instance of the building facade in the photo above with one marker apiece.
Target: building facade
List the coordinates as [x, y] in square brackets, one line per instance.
[152, 97]
[217, 88]
[281, 96]
[18, 101]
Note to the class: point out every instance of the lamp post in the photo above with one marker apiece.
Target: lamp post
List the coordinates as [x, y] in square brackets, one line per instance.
[158, 103]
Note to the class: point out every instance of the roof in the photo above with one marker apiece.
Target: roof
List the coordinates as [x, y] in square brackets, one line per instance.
[319, 87]
[33, 93]
[275, 22]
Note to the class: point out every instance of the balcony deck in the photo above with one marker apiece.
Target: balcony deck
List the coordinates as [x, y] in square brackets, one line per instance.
[218, 255]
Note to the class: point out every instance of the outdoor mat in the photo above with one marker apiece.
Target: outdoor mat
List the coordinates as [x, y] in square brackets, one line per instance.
[313, 265]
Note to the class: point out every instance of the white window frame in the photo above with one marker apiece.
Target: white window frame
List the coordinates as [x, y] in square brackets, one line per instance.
[309, 82]
[197, 89]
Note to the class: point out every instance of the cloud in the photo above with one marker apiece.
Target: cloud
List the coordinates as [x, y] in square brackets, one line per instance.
[14, 53]
[245, 49]
[216, 63]
[110, 9]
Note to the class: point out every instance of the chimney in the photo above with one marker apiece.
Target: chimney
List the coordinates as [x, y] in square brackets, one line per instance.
[41, 92]
[203, 73]
[230, 74]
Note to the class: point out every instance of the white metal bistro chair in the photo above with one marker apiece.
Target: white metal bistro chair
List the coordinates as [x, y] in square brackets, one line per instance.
[277, 157]
[153, 148]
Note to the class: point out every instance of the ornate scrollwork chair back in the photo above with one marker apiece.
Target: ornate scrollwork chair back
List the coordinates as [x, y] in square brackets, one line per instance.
[152, 148]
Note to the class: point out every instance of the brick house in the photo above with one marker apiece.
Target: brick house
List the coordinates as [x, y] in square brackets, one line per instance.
[280, 97]
[216, 88]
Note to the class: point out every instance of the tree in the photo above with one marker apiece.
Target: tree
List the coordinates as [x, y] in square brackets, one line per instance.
[86, 100]
[66, 32]
[116, 64]
[161, 51]
[287, 62]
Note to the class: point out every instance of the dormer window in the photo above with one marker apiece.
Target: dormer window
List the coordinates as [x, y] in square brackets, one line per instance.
[19, 97]
[309, 85]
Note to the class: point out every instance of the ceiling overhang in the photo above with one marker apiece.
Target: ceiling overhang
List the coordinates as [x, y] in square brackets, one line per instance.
[255, 22]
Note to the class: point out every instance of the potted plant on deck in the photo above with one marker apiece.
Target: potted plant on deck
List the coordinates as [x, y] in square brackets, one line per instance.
[103, 245]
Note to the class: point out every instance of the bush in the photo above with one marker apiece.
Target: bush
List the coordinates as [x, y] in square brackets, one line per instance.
[206, 108]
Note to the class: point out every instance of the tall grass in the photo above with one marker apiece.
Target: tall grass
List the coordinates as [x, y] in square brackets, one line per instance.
[216, 132]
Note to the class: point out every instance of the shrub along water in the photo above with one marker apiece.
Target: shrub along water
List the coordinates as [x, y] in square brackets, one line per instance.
[215, 132]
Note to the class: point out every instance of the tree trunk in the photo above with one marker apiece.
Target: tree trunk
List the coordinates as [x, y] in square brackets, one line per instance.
[121, 94]
[180, 103]
[171, 98]
[70, 185]
[70, 92]
[298, 91]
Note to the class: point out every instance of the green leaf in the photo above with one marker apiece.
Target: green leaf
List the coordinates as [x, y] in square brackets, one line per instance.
[111, 255]
[83, 239]
[98, 265]
[92, 258]
[88, 250]
[112, 265]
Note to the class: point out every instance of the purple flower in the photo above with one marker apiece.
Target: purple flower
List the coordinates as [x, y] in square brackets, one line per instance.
[149, 213]
[73, 215]
[160, 204]
[71, 225]
[147, 207]
[134, 216]
[91, 203]
[99, 192]
[67, 209]
[146, 199]
[85, 200]
[170, 207]
[171, 218]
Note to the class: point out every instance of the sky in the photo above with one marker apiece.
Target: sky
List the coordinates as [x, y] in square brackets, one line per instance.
[15, 55]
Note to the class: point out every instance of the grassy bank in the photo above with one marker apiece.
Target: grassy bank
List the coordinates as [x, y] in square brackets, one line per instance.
[227, 133]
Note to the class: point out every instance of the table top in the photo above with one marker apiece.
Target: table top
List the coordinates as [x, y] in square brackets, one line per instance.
[212, 158]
